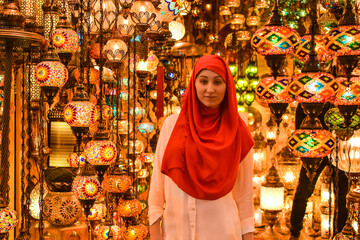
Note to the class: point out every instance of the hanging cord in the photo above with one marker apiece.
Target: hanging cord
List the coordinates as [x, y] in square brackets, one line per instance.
[22, 159]
[336, 185]
[28, 143]
[134, 119]
[101, 60]
[82, 42]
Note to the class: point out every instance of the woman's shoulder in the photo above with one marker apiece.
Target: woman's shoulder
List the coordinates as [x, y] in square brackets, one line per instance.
[170, 121]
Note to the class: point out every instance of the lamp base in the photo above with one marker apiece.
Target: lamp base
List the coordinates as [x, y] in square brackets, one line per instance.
[270, 234]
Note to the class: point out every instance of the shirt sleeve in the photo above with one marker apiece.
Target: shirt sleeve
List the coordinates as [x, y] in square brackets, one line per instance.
[156, 193]
[243, 192]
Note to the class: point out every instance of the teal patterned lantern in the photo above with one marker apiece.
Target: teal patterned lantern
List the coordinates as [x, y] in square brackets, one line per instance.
[313, 87]
[348, 94]
[316, 143]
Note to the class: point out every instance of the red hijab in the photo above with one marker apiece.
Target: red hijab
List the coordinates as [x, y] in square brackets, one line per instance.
[207, 145]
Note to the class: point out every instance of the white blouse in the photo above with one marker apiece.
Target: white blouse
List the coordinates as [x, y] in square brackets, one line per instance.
[188, 218]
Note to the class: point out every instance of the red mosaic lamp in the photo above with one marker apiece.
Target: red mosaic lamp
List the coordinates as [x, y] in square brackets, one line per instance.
[86, 187]
[344, 40]
[51, 74]
[275, 41]
[65, 40]
[275, 93]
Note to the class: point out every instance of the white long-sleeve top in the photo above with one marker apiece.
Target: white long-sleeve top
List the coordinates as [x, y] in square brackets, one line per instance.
[188, 218]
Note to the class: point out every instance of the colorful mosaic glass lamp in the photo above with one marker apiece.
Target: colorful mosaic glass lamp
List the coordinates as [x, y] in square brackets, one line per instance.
[311, 89]
[275, 93]
[101, 152]
[336, 122]
[134, 230]
[275, 41]
[86, 187]
[64, 39]
[51, 74]
[344, 40]
[79, 114]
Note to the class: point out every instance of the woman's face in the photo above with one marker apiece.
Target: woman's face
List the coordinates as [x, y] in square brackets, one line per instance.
[210, 88]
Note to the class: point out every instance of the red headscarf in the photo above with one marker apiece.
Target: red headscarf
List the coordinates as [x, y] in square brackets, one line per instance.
[207, 145]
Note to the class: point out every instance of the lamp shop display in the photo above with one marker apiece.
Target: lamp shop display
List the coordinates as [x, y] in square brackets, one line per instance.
[94, 80]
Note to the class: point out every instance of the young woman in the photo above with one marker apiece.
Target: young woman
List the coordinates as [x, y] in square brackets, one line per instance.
[201, 187]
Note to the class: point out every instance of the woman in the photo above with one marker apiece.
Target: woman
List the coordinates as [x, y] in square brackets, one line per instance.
[201, 187]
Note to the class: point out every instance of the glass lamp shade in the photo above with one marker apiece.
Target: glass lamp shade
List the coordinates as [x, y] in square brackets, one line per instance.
[115, 50]
[139, 112]
[316, 143]
[109, 14]
[139, 146]
[124, 127]
[103, 232]
[80, 113]
[313, 87]
[344, 40]
[76, 160]
[236, 21]
[274, 40]
[129, 208]
[348, 95]
[97, 211]
[94, 76]
[241, 84]
[289, 168]
[251, 70]
[170, 8]
[177, 30]
[8, 219]
[107, 112]
[125, 26]
[149, 157]
[34, 207]
[141, 12]
[65, 40]
[146, 128]
[252, 21]
[272, 198]
[270, 90]
[134, 232]
[303, 49]
[95, 50]
[335, 121]
[117, 183]
[86, 187]
[51, 73]
[152, 62]
[100, 152]
[61, 208]
[349, 154]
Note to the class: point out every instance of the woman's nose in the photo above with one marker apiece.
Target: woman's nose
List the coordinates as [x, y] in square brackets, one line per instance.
[210, 87]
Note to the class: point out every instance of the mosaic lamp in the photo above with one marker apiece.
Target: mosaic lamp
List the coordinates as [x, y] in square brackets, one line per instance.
[86, 187]
[80, 114]
[336, 122]
[106, 230]
[274, 92]
[101, 152]
[275, 41]
[347, 98]
[8, 220]
[344, 40]
[65, 40]
[311, 145]
[116, 181]
[129, 206]
[51, 74]
[134, 231]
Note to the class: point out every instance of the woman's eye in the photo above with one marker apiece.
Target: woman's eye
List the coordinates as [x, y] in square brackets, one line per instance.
[203, 81]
